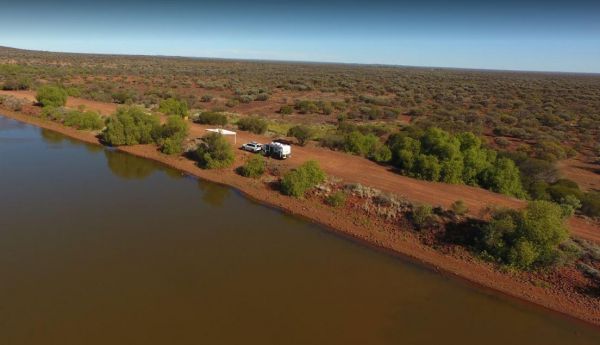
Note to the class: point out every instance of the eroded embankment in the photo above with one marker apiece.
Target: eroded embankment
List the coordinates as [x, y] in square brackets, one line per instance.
[368, 231]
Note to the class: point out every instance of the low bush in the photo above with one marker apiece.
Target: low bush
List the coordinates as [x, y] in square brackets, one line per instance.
[254, 167]
[253, 124]
[88, 120]
[526, 237]
[171, 135]
[212, 118]
[590, 204]
[422, 216]
[130, 126]
[337, 199]
[51, 96]
[214, 152]
[286, 109]
[15, 84]
[302, 133]
[298, 181]
[459, 208]
[206, 98]
[172, 106]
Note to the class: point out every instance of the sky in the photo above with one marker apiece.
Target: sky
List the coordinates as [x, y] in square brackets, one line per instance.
[514, 35]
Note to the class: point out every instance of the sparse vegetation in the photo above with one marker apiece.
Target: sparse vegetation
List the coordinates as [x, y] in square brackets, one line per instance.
[336, 199]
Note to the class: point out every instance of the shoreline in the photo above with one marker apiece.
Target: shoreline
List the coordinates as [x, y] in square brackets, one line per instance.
[402, 244]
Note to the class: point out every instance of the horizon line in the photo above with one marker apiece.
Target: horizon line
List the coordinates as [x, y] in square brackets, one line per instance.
[361, 64]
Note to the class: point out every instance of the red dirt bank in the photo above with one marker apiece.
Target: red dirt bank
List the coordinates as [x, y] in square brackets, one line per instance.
[458, 264]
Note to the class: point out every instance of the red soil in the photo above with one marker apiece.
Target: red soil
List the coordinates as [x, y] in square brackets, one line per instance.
[580, 170]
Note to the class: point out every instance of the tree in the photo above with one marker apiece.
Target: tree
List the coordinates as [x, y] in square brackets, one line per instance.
[214, 152]
[503, 177]
[254, 167]
[53, 96]
[171, 135]
[253, 124]
[427, 167]
[526, 237]
[172, 106]
[211, 118]
[89, 120]
[296, 182]
[302, 133]
[130, 126]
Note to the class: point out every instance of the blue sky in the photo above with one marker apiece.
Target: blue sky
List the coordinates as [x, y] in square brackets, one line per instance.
[519, 35]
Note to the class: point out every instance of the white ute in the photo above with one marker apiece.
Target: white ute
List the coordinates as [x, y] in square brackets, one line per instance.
[252, 147]
[278, 150]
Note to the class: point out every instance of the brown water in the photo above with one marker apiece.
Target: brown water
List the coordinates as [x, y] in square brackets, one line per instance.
[98, 247]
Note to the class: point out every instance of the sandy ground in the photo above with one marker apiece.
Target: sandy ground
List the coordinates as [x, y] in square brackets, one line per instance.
[402, 243]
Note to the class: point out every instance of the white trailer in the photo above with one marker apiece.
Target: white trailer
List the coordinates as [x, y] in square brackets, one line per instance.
[278, 150]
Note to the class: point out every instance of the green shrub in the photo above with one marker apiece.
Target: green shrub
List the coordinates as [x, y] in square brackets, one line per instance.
[302, 133]
[382, 154]
[214, 152]
[261, 97]
[53, 96]
[212, 118]
[590, 204]
[53, 113]
[88, 120]
[172, 106]
[14, 83]
[332, 141]
[337, 199]
[253, 124]
[459, 207]
[206, 98]
[527, 237]
[171, 135]
[437, 155]
[306, 107]
[298, 181]
[254, 167]
[286, 110]
[130, 126]
[422, 216]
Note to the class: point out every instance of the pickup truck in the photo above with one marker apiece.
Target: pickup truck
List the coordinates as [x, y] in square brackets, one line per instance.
[252, 147]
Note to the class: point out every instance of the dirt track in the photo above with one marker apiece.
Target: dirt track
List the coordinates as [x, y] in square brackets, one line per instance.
[354, 169]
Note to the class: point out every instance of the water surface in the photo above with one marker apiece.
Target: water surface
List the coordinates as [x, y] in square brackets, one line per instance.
[98, 247]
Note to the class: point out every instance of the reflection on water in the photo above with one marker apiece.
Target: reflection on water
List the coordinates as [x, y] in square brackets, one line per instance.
[51, 137]
[213, 194]
[128, 166]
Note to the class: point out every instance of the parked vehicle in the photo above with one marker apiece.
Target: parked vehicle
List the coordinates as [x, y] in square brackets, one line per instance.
[277, 150]
[252, 147]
